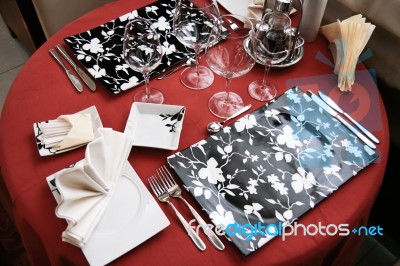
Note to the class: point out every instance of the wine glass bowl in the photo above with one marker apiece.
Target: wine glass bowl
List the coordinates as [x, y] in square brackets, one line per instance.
[143, 52]
[229, 59]
[192, 26]
[271, 45]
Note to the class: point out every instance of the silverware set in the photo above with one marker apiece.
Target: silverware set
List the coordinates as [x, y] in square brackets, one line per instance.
[165, 187]
[71, 75]
[332, 104]
[333, 109]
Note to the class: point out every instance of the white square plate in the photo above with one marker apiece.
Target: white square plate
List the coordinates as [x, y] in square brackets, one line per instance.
[132, 216]
[155, 125]
[96, 122]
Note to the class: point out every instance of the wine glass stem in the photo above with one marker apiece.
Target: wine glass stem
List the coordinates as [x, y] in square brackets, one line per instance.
[197, 58]
[265, 77]
[146, 80]
[228, 85]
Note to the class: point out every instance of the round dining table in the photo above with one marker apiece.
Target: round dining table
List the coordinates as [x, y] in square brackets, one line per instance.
[41, 91]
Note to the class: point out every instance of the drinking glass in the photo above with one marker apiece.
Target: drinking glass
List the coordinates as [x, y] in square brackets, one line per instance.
[271, 45]
[192, 24]
[229, 58]
[142, 52]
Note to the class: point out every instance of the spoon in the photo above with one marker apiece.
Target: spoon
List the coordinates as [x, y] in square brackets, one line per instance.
[216, 126]
[190, 62]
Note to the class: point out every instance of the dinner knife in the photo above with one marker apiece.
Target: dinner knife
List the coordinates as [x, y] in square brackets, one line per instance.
[72, 77]
[217, 243]
[335, 114]
[88, 81]
[332, 104]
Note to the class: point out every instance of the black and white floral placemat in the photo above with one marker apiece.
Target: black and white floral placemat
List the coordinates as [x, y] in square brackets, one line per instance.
[100, 49]
[271, 166]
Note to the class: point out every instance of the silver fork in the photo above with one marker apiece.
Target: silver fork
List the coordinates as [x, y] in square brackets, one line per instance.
[163, 196]
[175, 191]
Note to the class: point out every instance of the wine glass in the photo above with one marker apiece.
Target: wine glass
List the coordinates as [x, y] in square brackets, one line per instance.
[229, 58]
[192, 25]
[142, 52]
[271, 45]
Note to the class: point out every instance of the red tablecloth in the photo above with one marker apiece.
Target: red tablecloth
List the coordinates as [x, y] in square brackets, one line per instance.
[42, 91]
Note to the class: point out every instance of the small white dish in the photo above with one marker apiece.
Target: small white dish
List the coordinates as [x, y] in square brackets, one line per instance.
[155, 125]
[96, 121]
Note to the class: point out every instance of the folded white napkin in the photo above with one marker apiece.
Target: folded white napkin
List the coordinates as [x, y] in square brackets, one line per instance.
[87, 188]
[67, 131]
[256, 9]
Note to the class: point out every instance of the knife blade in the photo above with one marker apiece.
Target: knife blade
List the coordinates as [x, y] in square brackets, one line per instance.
[332, 104]
[72, 77]
[88, 81]
[335, 114]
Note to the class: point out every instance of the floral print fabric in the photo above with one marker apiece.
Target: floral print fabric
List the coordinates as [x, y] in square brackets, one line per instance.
[100, 49]
[271, 166]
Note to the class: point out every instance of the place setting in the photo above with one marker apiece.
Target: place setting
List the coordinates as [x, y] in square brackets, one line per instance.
[272, 165]
[250, 171]
[104, 201]
[99, 50]
[78, 80]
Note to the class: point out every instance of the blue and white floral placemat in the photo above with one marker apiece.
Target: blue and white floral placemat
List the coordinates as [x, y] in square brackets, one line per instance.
[100, 49]
[271, 166]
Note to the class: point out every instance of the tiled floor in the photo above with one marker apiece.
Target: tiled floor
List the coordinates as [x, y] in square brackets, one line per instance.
[12, 57]
[373, 252]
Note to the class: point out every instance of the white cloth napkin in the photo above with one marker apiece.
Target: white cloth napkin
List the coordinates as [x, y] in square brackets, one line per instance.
[67, 131]
[256, 9]
[87, 188]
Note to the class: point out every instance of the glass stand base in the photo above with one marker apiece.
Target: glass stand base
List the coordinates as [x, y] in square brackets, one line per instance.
[260, 93]
[223, 104]
[155, 96]
[197, 81]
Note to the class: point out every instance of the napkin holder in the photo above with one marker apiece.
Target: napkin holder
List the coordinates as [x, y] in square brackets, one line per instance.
[347, 39]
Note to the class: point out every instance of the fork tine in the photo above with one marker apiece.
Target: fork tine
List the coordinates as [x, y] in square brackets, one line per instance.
[160, 190]
[160, 184]
[163, 196]
[168, 175]
[163, 179]
[156, 185]
[152, 185]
